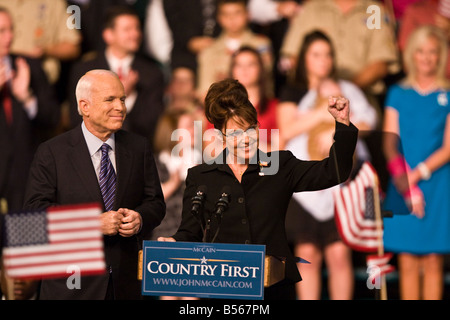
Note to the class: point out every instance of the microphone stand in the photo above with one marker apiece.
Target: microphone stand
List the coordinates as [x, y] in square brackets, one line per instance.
[219, 215]
[207, 229]
[221, 207]
[197, 208]
[215, 235]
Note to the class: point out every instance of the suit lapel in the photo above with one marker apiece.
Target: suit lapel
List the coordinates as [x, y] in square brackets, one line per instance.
[82, 164]
[123, 167]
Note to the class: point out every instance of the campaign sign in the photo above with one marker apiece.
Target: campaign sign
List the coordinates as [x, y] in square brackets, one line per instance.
[206, 270]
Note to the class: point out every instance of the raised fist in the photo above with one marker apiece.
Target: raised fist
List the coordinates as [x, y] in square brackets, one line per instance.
[339, 107]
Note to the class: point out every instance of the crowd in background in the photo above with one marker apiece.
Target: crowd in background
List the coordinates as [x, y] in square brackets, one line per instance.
[290, 55]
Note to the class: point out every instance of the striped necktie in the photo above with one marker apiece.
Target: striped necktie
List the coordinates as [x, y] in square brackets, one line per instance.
[107, 179]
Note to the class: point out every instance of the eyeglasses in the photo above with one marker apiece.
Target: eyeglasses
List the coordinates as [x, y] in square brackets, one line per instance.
[239, 133]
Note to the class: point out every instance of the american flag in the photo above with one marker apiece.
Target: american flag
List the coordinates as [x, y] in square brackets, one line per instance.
[355, 211]
[50, 243]
[378, 266]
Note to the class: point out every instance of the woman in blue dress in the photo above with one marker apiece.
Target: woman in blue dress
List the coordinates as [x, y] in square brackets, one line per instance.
[418, 111]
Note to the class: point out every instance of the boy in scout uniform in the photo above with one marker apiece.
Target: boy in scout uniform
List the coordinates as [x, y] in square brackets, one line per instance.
[214, 62]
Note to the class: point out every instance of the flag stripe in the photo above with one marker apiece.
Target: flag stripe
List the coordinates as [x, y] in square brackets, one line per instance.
[86, 244]
[57, 221]
[66, 229]
[88, 214]
[57, 270]
[70, 236]
[376, 260]
[45, 260]
[18, 255]
[68, 241]
[70, 208]
[382, 270]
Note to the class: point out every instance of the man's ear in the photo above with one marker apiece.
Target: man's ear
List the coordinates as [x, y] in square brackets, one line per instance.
[108, 36]
[83, 105]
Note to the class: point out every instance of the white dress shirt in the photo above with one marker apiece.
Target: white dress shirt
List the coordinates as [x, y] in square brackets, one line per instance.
[158, 36]
[94, 145]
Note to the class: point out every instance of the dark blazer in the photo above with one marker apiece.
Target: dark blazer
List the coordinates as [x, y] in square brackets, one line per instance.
[19, 141]
[257, 210]
[149, 104]
[62, 173]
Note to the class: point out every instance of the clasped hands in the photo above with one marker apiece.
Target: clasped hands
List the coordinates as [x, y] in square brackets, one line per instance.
[124, 222]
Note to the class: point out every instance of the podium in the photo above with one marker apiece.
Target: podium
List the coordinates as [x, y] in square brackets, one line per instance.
[274, 270]
[208, 270]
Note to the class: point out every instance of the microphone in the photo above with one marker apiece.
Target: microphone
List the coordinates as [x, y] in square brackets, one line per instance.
[223, 202]
[197, 200]
[197, 204]
[221, 207]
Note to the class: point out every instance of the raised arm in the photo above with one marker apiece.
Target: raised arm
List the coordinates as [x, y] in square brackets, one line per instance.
[335, 169]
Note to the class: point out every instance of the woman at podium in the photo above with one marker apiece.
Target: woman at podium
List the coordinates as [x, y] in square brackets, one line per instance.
[242, 195]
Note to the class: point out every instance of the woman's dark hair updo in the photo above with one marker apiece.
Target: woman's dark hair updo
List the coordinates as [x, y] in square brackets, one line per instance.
[227, 99]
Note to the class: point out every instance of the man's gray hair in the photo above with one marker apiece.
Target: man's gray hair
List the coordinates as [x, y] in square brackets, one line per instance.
[84, 85]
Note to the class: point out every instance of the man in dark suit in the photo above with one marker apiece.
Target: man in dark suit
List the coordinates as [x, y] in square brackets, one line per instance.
[28, 110]
[142, 79]
[98, 162]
